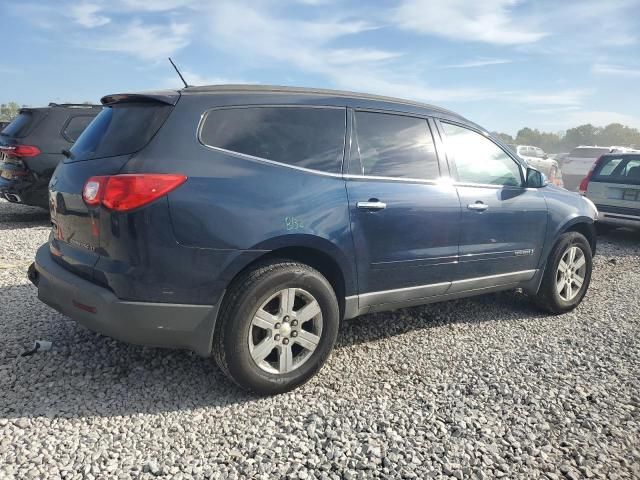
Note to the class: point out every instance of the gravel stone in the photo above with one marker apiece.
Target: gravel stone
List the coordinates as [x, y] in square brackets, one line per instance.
[486, 387]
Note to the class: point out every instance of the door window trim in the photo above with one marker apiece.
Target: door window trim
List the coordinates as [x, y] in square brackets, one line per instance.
[452, 162]
[354, 164]
[253, 158]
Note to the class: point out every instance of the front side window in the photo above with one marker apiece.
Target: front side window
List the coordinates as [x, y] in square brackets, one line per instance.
[300, 136]
[395, 146]
[479, 160]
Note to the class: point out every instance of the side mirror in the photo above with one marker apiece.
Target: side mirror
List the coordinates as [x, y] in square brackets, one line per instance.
[545, 156]
[535, 179]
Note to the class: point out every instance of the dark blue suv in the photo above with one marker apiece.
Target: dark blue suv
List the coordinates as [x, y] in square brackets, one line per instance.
[247, 222]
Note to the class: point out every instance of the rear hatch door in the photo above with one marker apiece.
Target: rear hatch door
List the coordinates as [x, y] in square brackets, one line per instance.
[124, 127]
[12, 164]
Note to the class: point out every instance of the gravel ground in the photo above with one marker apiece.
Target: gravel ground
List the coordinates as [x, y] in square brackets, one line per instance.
[479, 388]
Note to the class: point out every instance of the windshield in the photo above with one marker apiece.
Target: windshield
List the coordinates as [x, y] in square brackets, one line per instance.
[120, 130]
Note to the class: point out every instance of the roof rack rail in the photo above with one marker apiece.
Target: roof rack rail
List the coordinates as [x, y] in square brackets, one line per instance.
[73, 105]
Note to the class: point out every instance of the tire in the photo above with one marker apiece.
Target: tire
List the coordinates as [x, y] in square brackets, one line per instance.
[549, 297]
[242, 338]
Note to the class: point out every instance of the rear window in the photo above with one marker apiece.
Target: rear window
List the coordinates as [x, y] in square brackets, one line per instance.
[75, 126]
[20, 125]
[582, 152]
[120, 129]
[306, 137]
[618, 170]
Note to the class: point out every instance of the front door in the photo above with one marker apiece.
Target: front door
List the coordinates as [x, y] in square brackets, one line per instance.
[405, 220]
[504, 223]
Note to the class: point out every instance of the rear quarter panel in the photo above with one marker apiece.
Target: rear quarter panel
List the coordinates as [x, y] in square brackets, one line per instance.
[241, 206]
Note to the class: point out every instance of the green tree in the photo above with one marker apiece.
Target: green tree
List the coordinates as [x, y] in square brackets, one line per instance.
[582, 135]
[8, 111]
[505, 137]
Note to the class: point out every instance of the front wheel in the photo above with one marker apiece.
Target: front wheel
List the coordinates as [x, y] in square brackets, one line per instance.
[277, 327]
[567, 274]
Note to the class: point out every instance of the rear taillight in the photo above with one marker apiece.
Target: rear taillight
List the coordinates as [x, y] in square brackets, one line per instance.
[584, 184]
[20, 150]
[129, 191]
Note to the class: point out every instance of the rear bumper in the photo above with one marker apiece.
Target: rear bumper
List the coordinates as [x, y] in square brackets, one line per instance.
[24, 191]
[142, 323]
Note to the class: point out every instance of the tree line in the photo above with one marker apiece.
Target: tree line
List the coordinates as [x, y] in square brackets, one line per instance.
[613, 134]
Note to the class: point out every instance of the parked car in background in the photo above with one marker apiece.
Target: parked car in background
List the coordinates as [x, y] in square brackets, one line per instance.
[577, 164]
[613, 184]
[536, 158]
[31, 147]
[247, 222]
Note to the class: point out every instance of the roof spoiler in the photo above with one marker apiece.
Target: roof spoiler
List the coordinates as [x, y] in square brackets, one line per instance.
[168, 97]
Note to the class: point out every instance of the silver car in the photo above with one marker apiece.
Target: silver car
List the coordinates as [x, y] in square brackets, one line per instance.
[538, 159]
[576, 165]
[614, 186]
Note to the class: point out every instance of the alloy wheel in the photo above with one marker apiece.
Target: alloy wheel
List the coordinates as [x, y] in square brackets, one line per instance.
[285, 331]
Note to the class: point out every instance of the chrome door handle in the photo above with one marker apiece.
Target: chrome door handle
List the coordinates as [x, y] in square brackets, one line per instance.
[478, 207]
[371, 205]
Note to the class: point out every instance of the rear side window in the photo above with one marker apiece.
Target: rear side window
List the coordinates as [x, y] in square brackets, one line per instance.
[75, 126]
[479, 160]
[395, 146]
[299, 136]
[618, 170]
[20, 125]
[585, 152]
[120, 129]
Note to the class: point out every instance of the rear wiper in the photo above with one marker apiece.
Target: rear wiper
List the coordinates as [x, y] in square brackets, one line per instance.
[67, 153]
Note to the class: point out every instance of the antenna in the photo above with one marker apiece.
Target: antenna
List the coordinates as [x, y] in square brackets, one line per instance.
[179, 74]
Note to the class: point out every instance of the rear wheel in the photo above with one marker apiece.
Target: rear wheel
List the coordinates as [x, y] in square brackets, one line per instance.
[277, 327]
[567, 274]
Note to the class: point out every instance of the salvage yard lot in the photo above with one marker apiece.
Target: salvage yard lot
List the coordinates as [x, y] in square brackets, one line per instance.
[478, 388]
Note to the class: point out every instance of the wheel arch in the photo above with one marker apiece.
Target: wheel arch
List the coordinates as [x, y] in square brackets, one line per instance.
[316, 252]
[584, 226]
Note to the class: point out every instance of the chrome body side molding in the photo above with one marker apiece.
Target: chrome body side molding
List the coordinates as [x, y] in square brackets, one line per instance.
[356, 305]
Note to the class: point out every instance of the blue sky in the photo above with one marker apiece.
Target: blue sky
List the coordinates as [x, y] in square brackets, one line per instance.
[503, 63]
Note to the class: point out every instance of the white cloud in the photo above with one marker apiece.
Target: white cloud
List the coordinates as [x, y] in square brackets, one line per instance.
[149, 42]
[569, 97]
[155, 5]
[480, 62]
[488, 21]
[86, 14]
[615, 70]
[581, 117]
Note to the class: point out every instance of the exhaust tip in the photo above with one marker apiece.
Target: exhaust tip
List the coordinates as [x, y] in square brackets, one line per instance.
[13, 198]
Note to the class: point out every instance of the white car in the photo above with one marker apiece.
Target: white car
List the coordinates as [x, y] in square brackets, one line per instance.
[577, 164]
[538, 159]
[613, 185]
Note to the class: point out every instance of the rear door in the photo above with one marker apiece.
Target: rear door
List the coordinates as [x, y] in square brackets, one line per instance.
[503, 223]
[405, 216]
[615, 187]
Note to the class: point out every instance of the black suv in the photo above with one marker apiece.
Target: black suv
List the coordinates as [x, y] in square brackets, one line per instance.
[32, 145]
